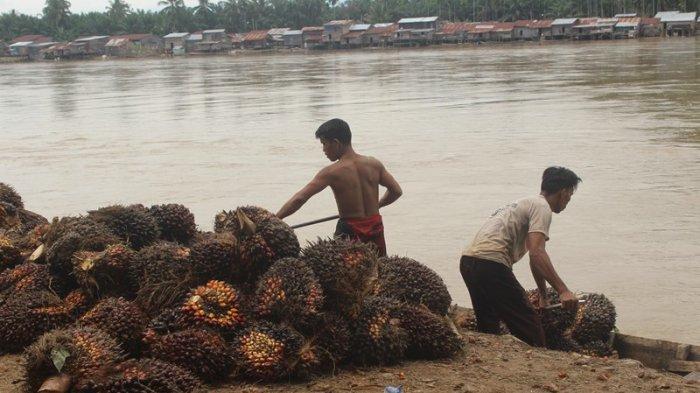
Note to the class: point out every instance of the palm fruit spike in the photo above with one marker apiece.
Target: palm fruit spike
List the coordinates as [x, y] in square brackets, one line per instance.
[25, 277]
[168, 321]
[69, 236]
[78, 302]
[267, 352]
[429, 335]
[346, 270]
[265, 242]
[106, 273]
[143, 376]
[216, 305]
[598, 348]
[164, 273]
[27, 316]
[79, 352]
[555, 321]
[10, 255]
[215, 257]
[176, 222]
[378, 337]
[289, 291]
[227, 221]
[327, 347]
[9, 195]
[132, 224]
[119, 318]
[202, 352]
[407, 280]
[594, 320]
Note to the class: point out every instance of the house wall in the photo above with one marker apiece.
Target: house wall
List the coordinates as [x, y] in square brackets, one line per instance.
[525, 33]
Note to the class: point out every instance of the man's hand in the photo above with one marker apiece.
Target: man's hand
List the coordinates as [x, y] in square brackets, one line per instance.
[569, 301]
[543, 301]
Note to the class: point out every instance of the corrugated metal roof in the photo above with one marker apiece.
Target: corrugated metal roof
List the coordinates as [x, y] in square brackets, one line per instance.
[311, 29]
[650, 21]
[661, 14]
[278, 31]
[523, 23]
[454, 28]
[116, 42]
[680, 17]
[214, 31]
[419, 20]
[383, 28]
[292, 32]
[542, 24]
[503, 27]
[628, 22]
[631, 15]
[256, 35]
[353, 34]
[194, 37]
[564, 21]
[31, 38]
[91, 38]
[339, 22]
[360, 27]
[21, 44]
[176, 35]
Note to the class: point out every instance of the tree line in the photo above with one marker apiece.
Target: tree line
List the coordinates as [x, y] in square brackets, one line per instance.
[58, 21]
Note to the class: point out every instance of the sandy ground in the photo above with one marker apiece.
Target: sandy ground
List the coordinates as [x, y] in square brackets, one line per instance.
[489, 364]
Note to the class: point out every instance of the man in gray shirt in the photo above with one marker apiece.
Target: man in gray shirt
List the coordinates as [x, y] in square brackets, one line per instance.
[509, 233]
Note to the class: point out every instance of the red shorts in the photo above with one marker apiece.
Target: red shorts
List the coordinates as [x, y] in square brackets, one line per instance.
[366, 230]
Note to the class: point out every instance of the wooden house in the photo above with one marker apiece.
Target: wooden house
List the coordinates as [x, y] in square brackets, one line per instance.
[628, 27]
[312, 36]
[502, 31]
[650, 27]
[524, 30]
[678, 23]
[215, 40]
[175, 40]
[453, 32]
[334, 31]
[293, 39]
[355, 37]
[257, 39]
[583, 30]
[563, 27]
[276, 36]
[93, 45]
[192, 41]
[133, 45]
[380, 34]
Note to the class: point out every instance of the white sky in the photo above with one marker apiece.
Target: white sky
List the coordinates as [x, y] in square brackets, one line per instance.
[33, 7]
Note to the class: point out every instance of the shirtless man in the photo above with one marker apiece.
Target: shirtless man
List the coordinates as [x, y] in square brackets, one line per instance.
[355, 181]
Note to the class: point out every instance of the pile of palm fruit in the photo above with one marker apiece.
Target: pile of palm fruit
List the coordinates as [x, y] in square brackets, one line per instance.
[586, 330]
[136, 299]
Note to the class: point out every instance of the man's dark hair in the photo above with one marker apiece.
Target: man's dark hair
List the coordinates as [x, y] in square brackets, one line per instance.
[335, 129]
[557, 178]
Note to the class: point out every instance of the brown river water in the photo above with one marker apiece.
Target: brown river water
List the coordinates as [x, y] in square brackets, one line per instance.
[465, 130]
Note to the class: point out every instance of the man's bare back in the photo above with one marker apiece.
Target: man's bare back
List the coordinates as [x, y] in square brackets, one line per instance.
[355, 184]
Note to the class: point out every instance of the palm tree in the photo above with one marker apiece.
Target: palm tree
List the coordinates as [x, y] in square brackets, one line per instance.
[118, 9]
[172, 11]
[203, 8]
[56, 14]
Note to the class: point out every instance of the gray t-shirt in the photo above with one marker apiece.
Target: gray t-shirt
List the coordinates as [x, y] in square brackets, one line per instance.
[502, 238]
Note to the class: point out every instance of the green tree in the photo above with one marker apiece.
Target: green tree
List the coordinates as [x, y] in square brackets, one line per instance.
[173, 12]
[57, 15]
[117, 11]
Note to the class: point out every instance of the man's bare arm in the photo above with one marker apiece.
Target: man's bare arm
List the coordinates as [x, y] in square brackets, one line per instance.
[542, 268]
[316, 185]
[393, 189]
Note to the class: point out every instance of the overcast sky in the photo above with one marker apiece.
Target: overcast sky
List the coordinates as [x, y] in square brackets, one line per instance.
[33, 7]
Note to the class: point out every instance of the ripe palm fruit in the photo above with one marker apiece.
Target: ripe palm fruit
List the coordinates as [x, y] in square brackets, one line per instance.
[263, 243]
[429, 335]
[594, 320]
[346, 270]
[597, 348]
[164, 273]
[176, 222]
[216, 305]
[142, 376]
[79, 352]
[78, 302]
[289, 291]
[23, 278]
[327, 347]
[70, 235]
[9, 195]
[10, 255]
[378, 337]
[555, 321]
[168, 321]
[106, 273]
[407, 280]
[28, 315]
[120, 318]
[215, 257]
[267, 352]
[227, 221]
[133, 224]
[202, 352]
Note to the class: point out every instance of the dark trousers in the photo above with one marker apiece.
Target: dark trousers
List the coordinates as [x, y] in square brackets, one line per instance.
[498, 296]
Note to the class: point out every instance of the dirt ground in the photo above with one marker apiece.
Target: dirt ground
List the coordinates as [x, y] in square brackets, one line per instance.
[489, 364]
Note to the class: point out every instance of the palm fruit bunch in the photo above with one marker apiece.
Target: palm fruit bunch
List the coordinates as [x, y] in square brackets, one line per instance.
[216, 305]
[142, 376]
[164, 273]
[78, 302]
[120, 318]
[79, 352]
[106, 273]
[215, 257]
[289, 291]
[346, 271]
[175, 221]
[27, 315]
[9, 195]
[598, 348]
[132, 224]
[69, 235]
[227, 221]
[555, 321]
[168, 321]
[267, 352]
[10, 255]
[429, 335]
[261, 243]
[327, 346]
[26, 277]
[594, 320]
[378, 337]
[407, 280]
[203, 352]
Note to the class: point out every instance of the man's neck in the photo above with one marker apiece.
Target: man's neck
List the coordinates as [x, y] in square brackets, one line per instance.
[348, 153]
[549, 199]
